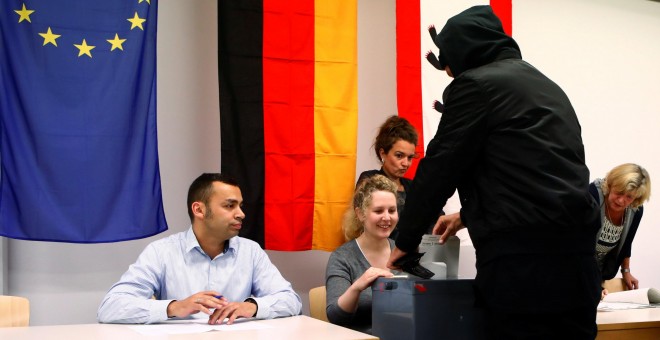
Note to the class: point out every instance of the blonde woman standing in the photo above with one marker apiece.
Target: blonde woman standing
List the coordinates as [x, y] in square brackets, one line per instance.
[620, 195]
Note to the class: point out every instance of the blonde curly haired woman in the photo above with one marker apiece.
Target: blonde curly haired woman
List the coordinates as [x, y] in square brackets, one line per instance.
[354, 266]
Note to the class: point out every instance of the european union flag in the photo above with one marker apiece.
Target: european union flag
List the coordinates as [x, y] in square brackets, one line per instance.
[78, 152]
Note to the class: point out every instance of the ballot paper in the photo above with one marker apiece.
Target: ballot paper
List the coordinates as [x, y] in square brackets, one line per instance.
[642, 296]
[631, 299]
[197, 326]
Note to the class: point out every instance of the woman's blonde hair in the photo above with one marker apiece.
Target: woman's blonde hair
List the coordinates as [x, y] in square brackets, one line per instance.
[352, 225]
[629, 178]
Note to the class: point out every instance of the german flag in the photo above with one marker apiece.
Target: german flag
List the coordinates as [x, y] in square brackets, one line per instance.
[288, 113]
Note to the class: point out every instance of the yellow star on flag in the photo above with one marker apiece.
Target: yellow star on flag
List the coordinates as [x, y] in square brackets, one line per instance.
[24, 14]
[148, 1]
[116, 42]
[85, 49]
[136, 21]
[49, 37]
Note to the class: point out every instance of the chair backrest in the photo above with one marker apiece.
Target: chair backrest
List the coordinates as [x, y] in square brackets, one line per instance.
[615, 285]
[14, 311]
[317, 303]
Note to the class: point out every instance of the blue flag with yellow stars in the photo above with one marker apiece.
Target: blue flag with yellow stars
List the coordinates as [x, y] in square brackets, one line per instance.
[78, 146]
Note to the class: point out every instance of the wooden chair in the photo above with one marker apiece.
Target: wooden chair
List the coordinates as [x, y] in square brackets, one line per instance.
[615, 285]
[317, 303]
[14, 311]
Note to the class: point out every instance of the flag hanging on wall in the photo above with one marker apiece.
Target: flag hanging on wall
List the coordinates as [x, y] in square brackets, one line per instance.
[419, 84]
[78, 140]
[288, 113]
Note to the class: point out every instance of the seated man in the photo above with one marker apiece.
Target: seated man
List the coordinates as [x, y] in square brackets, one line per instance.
[208, 268]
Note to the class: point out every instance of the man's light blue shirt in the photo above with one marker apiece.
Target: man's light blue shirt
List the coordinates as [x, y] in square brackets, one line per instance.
[176, 267]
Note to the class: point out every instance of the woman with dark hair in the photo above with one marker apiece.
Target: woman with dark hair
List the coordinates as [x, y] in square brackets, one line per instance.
[395, 149]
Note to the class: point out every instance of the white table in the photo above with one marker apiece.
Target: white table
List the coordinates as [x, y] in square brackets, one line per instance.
[296, 327]
[638, 324]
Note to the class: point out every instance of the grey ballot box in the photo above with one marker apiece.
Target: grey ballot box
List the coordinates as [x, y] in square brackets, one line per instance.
[418, 309]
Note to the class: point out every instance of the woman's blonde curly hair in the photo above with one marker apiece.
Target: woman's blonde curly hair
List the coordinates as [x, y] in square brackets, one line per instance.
[352, 225]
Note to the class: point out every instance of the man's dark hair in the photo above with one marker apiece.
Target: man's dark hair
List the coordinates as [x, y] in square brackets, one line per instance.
[202, 187]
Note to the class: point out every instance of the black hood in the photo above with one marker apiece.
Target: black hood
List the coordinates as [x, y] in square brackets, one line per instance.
[473, 38]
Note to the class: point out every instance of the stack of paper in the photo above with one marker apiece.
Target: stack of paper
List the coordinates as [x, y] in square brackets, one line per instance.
[631, 299]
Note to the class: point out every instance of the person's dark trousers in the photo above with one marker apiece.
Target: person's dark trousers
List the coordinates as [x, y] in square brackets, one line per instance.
[575, 324]
[539, 296]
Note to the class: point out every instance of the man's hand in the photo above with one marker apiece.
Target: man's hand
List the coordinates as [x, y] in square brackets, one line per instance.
[199, 302]
[447, 225]
[395, 255]
[232, 310]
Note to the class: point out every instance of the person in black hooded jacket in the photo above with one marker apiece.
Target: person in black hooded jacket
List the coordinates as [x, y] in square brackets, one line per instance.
[510, 142]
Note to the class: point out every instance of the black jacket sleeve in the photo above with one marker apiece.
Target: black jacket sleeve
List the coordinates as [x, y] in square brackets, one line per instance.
[450, 155]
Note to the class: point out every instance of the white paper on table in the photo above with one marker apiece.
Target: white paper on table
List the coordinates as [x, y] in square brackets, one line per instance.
[642, 296]
[612, 306]
[190, 326]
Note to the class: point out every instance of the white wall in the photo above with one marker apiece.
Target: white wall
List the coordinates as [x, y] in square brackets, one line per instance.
[604, 54]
